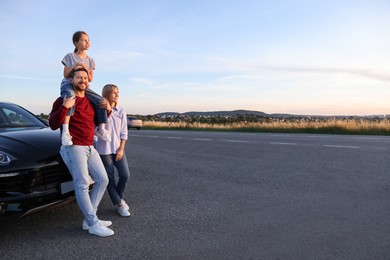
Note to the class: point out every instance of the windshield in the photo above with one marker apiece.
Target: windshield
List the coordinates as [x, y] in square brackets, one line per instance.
[12, 116]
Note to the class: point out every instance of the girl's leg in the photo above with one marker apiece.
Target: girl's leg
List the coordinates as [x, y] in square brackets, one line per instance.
[100, 115]
[66, 138]
[67, 91]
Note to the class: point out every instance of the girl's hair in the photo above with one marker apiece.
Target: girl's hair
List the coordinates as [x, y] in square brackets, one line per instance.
[76, 37]
[107, 90]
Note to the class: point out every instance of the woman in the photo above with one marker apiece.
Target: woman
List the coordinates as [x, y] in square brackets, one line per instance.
[113, 153]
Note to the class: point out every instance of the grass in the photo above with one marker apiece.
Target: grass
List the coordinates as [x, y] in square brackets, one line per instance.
[330, 126]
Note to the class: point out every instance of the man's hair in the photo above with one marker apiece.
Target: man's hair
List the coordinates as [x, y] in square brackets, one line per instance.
[73, 72]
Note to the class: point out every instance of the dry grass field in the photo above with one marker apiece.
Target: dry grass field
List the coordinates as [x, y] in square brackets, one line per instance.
[330, 126]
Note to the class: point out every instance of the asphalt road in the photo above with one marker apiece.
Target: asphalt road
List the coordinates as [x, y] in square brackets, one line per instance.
[213, 195]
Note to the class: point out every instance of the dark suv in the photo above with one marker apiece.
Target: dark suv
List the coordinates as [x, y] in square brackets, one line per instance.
[32, 173]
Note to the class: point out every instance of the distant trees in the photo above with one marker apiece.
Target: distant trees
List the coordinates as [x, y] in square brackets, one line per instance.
[43, 116]
[246, 118]
[218, 119]
[250, 118]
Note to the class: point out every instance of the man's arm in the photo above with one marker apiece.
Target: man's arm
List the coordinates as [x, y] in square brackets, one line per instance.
[104, 104]
[57, 114]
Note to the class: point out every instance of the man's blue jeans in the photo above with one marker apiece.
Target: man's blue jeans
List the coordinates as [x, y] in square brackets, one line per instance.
[83, 161]
[116, 190]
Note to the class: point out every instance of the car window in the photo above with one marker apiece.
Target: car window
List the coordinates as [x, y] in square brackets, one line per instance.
[14, 116]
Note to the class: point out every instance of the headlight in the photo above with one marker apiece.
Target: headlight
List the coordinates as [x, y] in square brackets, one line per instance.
[6, 158]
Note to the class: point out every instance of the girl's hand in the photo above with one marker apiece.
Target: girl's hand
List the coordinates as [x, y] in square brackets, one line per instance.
[79, 65]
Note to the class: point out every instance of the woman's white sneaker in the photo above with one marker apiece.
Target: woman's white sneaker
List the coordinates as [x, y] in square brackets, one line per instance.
[100, 230]
[124, 204]
[123, 211]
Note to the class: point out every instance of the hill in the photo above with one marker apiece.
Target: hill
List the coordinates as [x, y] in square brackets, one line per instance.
[243, 112]
[232, 113]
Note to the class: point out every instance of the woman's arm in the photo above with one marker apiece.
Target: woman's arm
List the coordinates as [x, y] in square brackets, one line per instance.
[123, 134]
[119, 152]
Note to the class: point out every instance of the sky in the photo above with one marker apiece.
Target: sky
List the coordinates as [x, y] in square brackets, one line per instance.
[309, 57]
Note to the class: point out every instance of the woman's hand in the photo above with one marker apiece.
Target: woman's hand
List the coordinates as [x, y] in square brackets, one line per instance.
[119, 155]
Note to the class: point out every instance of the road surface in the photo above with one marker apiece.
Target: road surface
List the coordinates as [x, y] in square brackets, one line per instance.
[216, 195]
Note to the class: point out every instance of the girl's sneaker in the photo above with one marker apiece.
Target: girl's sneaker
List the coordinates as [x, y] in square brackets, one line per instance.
[104, 134]
[66, 139]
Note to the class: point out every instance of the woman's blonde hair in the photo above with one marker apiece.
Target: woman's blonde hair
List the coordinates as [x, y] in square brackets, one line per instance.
[107, 90]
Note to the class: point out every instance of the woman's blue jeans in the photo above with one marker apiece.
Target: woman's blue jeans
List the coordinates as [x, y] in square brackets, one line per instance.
[115, 189]
[83, 161]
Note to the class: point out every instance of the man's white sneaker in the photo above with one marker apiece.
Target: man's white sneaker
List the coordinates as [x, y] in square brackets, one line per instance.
[66, 139]
[123, 211]
[100, 230]
[105, 223]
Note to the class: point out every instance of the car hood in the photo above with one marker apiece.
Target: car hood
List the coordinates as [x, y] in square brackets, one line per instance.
[40, 145]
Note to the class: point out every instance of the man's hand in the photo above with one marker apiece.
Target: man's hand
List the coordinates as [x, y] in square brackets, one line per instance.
[69, 102]
[105, 104]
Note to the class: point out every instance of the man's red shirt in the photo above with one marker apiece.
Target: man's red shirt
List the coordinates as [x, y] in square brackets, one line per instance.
[81, 124]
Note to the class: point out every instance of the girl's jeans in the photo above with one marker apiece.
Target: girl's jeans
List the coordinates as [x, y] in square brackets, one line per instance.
[100, 113]
[116, 190]
[83, 161]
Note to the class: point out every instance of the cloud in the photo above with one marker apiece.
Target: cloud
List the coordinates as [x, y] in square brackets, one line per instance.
[239, 65]
[360, 72]
[118, 57]
[143, 94]
[25, 78]
[238, 77]
[144, 81]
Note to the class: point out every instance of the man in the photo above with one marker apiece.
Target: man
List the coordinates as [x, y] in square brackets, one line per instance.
[81, 158]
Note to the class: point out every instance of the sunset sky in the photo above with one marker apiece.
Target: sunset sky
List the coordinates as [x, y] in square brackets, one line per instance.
[284, 56]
